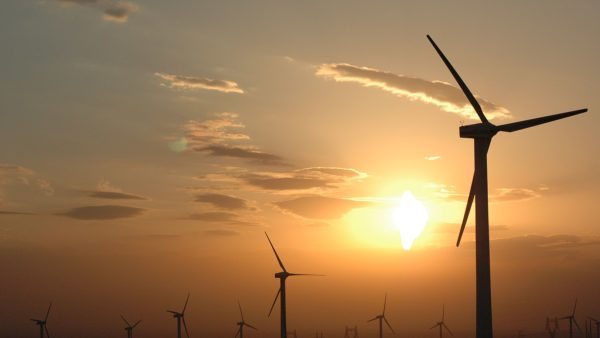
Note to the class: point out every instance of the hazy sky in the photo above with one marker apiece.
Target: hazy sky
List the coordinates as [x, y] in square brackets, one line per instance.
[146, 146]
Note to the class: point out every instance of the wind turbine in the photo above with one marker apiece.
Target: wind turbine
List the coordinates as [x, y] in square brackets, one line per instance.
[572, 320]
[441, 324]
[180, 318]
[381, 319]
[482, 134]
[129, 328]
[552, 326]
[242, 323]
[283, 275]
[597, 322]
[42, 323]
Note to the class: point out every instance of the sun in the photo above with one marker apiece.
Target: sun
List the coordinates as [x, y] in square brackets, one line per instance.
[410, 217]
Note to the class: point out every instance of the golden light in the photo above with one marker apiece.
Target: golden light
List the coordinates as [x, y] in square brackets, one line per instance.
[410, 217]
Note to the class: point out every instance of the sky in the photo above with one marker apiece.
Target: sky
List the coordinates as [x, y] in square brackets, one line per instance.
[146, 147]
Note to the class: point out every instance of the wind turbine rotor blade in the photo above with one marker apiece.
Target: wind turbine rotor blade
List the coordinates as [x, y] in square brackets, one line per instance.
[592, 318]
[467, 209]
[306, 274]
[47, 333]
[186, 303]
[250, 326]
[384, 303]
[275, 301]
[433, 327]
[34, 320]
[136, 324]
[510, 127]
[372, 319]
[443, 311]
[187, 334]
[574, 308]
[577, 325]
[48, 312]
[237, 333]
[240, 307]
[461, 83]
[125, 320]
[275, 251]
[173, 312]
[447, 329]
[388, 324]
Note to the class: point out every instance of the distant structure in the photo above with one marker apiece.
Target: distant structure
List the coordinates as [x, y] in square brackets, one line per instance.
[42, 323]
[351, 332]
[572, 320]
[597, 322]
[442, 325]
[180, 318]
[283, 275]
[293, 333]
[381, 318]
[129, 328]
[551, 326]
[242, 323]
[482, 134]
[319, 335]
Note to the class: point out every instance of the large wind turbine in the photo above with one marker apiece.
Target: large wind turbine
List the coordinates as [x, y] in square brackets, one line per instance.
[381, 318]
[129, 328]
[42, 323]
[441, 324]
[283, 275]
[572, 320]
[482, 134]
[242, 323]
[180, 318]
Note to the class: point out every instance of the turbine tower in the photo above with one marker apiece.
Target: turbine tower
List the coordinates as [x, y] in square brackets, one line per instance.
[552, 326]
[482, 134]
[283, 275]
[382, 319]
[242, 323]
[180, 318]
[42, 323]
[129, 328]
[597, 322]
[441, 324]
[349, 330]
[572, 320]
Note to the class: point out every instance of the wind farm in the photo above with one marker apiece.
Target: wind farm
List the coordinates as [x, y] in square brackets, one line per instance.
[290, 163]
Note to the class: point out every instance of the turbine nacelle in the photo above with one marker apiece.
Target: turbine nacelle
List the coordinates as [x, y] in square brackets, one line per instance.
[282, 275]
[478, 130]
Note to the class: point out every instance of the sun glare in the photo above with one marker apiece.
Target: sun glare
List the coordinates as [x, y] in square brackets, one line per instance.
[410, 217]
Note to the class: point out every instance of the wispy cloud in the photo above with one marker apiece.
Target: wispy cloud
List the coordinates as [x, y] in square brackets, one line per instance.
[444, 95]
[114, 195]
[113, 10]
[305, 179]
[228, 218]
[320, 207]
[15, 175]
[193, 83]
[102, 212]
[432, 157]
[220, 233]
[448, 192]
[222, 201]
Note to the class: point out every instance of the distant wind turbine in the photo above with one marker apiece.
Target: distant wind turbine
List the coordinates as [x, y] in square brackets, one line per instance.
[242, 323]
[382, 319]
[129, 328]
[180, 318]
[552, 326]
[42, 323]
[283, 275]
[597, 322]
[572, 320]
[441, 324]
[482, 133]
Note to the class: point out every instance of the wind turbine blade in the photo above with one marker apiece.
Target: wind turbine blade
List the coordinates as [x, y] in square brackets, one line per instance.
[275, 301]
[510, 127]
[372, 319]
[467, 209]
[125, 320]
[574, 307]
[592, 318]
[34, 320]
[238, 332]
[306, 274]
[173, 312]
[136, 324]
[384, 303]
[186, 303]
[577, 325]
[48, 312]
[241, 313]
[250, 326]
[433, 327]
[275, 251]
[388, 324]
[443, 311]
[185, 327]
[461, 83]
[447, 329]
[47, 333]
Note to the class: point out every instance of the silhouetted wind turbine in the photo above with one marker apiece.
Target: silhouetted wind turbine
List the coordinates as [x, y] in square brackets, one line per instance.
[242, 323]
[552, 326]
[572, 320]
[597, 322]
[180, 318]
[282, 277]
[129, 328]
[382, 319]
[441, 324]
[42, 323]
[482, 134]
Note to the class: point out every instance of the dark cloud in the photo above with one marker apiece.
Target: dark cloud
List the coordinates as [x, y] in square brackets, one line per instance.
[242, 153]
[220, 233]
[113, 10]
[6, 212]
[192, 82]
[222, 201]
[115, 195]
[442, 94]
[214, 216]
[103, 212]
[320, 207]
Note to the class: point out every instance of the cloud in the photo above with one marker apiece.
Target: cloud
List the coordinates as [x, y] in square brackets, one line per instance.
[222, 201]
[220, 217]
[514, 194]
[314, 178]
[15, 175]
[454, 228]
[5, 212]
[501, 194]
[114, 195]
[220, 233]
[113, 10]
[320, 207]
[433, 157]
[103, 212]
[248, 153]
[192, 82]
[539, 246]
[444, 95]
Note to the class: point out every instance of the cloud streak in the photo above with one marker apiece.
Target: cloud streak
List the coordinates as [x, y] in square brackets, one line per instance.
[222, 201]
[444, 95]
[320, 207]
[193, 83]
[113, 10]
[103, 212]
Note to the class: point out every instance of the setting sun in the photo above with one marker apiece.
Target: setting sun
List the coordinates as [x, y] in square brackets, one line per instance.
[410, 217]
